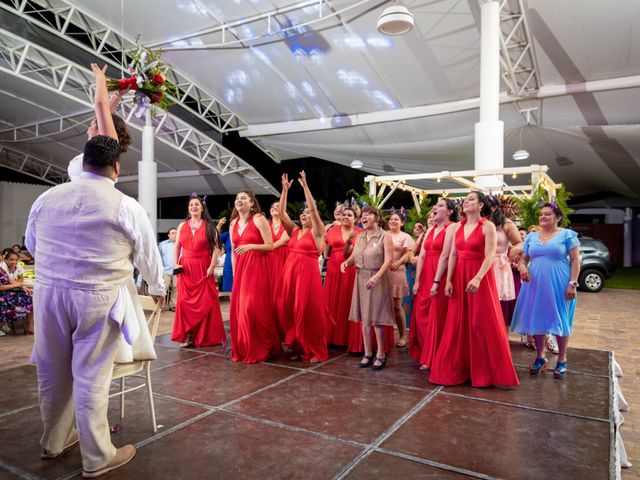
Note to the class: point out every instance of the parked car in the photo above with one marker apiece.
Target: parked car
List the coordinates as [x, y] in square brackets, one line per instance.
[595, 264]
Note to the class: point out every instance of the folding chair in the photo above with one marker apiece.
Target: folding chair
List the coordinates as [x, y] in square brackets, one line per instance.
[134, 369]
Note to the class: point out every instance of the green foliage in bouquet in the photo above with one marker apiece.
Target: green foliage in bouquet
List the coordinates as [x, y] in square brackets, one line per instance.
[147, 79]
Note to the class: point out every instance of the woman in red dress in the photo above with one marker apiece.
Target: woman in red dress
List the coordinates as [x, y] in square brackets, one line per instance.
[302, 310]
[254, 335]
[280, 239]
[474, 344]
[338, 286]
[430, 306]
[198, 321]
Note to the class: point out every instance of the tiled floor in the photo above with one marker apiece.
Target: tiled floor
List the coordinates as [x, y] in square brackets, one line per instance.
[283, 419]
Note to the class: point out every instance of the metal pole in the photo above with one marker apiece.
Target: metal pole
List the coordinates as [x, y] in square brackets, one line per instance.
[628, 238]
[489, 131]
[147, 174]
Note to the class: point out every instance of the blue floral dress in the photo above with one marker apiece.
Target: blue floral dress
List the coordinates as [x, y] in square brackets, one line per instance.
[541, 307]
[14, 303]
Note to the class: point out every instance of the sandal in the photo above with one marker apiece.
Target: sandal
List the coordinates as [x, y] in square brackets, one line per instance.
[402, 342]
[383, 363]
[367, 363]
[540, 365]
[561, 370]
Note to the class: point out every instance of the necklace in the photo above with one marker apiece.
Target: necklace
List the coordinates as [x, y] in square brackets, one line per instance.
[194, 225]
[547, 236]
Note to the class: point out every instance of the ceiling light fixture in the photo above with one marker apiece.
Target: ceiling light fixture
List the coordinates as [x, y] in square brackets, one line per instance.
[356, 164]
[520, 155]
[395, 20]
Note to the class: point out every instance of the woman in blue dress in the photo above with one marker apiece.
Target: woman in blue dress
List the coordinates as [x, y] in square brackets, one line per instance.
[227, 270]
[547, 300]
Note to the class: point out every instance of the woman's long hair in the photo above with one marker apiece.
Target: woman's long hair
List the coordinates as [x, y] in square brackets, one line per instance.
[453, 206]
[213, 237]
[497, 215]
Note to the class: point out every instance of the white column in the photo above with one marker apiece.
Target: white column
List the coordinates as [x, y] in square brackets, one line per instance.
[147, 173]
[489, 131]
[628, 240]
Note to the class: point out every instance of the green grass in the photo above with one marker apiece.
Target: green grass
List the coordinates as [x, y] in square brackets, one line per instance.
[625, 278]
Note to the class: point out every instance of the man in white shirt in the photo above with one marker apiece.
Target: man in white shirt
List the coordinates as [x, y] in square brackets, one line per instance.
[167, 251]
[84, 236]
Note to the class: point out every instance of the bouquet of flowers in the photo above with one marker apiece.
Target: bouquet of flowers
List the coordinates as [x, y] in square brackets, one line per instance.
[147, 80]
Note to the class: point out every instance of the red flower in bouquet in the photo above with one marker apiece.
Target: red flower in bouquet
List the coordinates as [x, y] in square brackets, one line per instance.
[156, 97]
[126, 84]
[157, 79]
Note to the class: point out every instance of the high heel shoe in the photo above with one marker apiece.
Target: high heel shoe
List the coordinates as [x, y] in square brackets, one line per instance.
[540, 365]
[383, 363]
[369, 361]
[561, 370]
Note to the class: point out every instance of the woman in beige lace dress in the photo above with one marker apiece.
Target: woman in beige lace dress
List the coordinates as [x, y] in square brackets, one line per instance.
[372, 301]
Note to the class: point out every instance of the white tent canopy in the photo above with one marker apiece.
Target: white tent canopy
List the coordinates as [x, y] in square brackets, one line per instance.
[336, 89]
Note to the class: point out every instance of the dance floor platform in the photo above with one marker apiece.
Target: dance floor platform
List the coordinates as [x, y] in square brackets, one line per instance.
[288, 420]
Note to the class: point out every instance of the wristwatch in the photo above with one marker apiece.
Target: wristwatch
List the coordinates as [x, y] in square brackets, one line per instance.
[574, 284]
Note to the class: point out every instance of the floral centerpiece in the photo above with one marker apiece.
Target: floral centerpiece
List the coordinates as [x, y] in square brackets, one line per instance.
[147, 78]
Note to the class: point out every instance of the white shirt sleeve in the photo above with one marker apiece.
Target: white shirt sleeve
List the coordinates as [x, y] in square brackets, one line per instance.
[134, 221]
[30, 232]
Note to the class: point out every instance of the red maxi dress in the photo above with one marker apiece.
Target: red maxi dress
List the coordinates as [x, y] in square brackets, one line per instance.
[338, 288]
[474, 344]
[254, 335]
[429, 313]
[302, 310]
[198, 308]
[278, 256]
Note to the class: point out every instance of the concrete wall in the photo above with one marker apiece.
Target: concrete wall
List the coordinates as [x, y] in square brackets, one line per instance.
[15, 203]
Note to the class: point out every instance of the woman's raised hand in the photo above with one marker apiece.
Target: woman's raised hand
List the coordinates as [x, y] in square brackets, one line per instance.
[286, 183]
[303, 179]
[97, 71]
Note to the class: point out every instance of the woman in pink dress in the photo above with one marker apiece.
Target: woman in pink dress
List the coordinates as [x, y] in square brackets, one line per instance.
[430, 306]
[402, 247]
[302, 310]
[254, 334]
[508, 240]
[338, 286]
[198, 320]
[474, 344]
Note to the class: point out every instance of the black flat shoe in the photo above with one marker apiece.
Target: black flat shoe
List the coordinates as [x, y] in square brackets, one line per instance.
[383, 363]
[369, 361]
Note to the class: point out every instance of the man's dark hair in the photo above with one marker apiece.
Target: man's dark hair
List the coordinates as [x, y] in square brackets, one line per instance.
[101, 152]
[172, 228]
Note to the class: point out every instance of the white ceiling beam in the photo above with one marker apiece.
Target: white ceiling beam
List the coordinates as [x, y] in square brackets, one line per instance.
[360, 119]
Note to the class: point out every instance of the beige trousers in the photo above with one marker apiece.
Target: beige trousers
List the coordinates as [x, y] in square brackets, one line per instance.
[75, 346]
[172, 290]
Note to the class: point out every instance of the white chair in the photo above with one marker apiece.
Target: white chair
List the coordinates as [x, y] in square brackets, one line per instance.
[134, 369]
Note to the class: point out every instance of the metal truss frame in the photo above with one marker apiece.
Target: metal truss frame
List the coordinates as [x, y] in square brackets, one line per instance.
[83, 30]
[48, 127]
[266, 24]
[466, 179]
[34, 64]
[517, 56]
[80, 28]
[32, 165]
